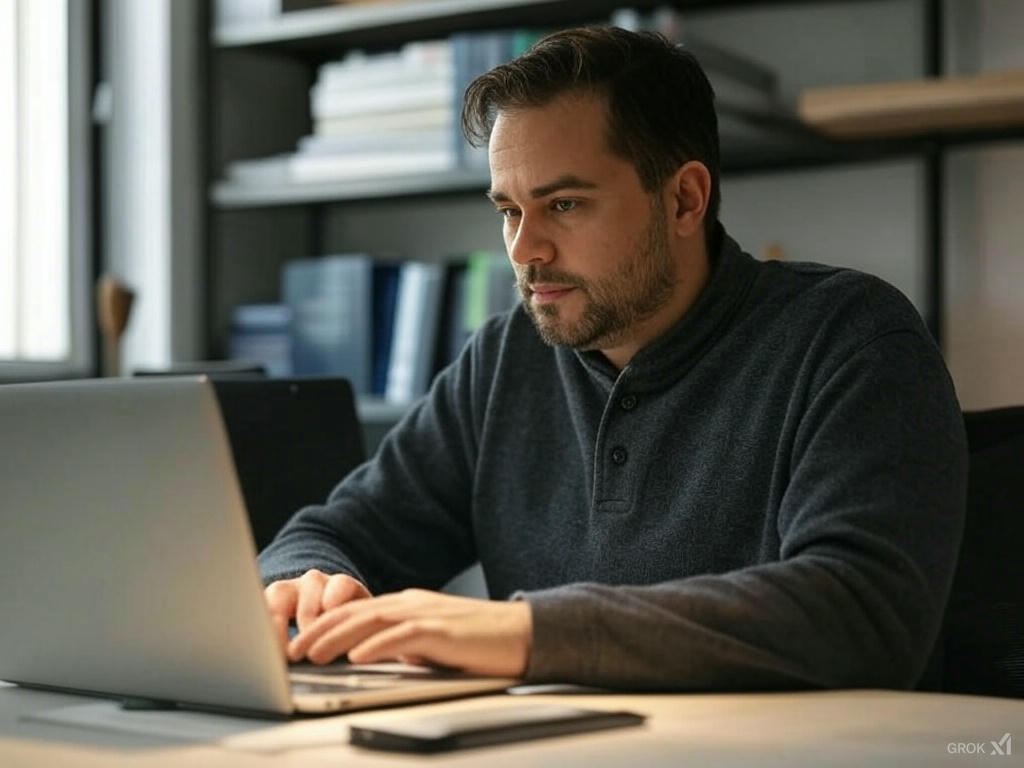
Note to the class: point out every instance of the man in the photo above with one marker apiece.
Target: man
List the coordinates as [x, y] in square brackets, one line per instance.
[679, 467]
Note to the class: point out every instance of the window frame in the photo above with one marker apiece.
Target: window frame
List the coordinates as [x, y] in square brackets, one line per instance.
[80, 208]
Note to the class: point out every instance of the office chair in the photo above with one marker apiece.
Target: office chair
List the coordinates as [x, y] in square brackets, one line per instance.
[982, 642]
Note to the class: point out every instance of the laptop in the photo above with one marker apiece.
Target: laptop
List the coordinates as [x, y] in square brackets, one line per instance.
[128, 564]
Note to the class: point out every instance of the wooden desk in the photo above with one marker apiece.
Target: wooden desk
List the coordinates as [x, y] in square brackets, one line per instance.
[834, 728]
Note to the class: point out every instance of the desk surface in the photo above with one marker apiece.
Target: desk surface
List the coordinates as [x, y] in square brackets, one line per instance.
[830, 728]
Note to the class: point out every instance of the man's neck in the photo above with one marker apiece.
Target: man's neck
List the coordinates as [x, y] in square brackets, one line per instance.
[694, 273]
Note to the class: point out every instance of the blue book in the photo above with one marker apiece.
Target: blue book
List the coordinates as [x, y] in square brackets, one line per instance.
[385, 296]
[331, 303]
[417, 318]
[261, 333]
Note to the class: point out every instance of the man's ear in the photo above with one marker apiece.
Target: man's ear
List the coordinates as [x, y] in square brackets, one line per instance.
[689, 190]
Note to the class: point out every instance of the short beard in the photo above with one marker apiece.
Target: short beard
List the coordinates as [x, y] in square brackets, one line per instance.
[614, 304]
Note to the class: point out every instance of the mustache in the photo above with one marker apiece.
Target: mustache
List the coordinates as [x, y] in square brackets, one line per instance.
[537, 274]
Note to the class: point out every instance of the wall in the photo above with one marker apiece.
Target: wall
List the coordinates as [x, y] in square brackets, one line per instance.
[985, 226]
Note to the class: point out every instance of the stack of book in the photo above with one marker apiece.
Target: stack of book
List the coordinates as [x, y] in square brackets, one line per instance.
[381, 114]
[387, 327]
[389, 114]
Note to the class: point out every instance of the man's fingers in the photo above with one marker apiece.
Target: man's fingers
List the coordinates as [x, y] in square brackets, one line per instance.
[281, 597]
[409, 639]
[311, 591]
[340, 589]
[335, 633]
[281, 630]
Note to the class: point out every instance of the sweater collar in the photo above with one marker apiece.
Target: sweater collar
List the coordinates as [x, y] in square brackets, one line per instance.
[669, 356]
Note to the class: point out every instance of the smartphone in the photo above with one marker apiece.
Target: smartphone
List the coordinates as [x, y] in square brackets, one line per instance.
[481, 727]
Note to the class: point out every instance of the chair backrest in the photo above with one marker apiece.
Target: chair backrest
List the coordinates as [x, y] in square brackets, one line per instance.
[983, 633]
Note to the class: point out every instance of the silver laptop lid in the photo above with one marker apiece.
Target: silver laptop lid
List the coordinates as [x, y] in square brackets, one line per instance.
[126, 560]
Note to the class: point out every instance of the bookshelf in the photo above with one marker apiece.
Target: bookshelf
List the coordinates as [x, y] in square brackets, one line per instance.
[252, 230]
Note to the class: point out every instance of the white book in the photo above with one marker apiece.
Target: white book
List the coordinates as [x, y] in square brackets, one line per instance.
[228, 12]
[417, 316]
[427, 118]
[311, 168]
[376, 141]
[334, 103]
[352, 81]
[384, 73]
[260, 171]
[419, 58]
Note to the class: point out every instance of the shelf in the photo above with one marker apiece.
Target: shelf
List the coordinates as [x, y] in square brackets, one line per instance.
[227, 195]
[323, 31]
[798, 151]
[396, 21]
[957, 105]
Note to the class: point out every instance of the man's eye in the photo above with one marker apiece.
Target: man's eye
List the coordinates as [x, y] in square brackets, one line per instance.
[563, 206]
[508, 213]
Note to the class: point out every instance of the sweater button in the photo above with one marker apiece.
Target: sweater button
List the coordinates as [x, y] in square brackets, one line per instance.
[619, 455]
[628, 403]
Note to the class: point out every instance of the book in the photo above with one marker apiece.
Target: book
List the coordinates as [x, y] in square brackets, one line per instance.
[490, 289]
[330, 102]
[259, 171]
[420, 61]
[482, 284]
[385, 300]
[474, 53]
[331, 303]
[261, 333]
[452, 334]
[374, 141]
[312, 168]
[416, 322]
[422, 119]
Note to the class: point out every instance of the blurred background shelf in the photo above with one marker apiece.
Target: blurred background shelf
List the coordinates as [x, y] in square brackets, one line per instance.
[258, 76]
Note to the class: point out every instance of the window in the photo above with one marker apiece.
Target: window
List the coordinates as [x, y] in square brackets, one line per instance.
[44, 237]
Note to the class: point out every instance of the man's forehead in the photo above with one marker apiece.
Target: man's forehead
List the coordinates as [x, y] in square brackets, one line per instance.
[588, 108]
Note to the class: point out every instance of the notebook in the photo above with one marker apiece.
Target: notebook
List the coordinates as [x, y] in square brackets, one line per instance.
[128, 565]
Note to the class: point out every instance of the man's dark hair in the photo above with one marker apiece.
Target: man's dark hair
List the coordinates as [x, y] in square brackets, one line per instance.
[660, 104]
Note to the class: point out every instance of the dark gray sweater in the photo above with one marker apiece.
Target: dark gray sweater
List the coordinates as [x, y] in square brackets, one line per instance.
[769, 496]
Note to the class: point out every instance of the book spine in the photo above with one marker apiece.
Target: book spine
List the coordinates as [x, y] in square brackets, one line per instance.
[330, 300]
[415, 332]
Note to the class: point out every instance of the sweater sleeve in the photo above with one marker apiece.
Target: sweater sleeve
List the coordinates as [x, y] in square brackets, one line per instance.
[402, 518]
[869, 527]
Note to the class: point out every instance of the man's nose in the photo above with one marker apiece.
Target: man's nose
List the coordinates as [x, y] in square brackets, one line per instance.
[529, 244]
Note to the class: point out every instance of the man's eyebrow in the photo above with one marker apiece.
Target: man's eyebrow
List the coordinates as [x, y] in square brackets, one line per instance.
[569, 181]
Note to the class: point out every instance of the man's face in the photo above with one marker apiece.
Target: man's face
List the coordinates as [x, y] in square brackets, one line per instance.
[589, 244]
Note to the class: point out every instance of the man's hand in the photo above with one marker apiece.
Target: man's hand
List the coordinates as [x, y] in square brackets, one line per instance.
[307, 597]
[480, 636]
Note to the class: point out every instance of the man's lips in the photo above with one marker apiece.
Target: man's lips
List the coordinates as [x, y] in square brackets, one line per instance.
[544, 293]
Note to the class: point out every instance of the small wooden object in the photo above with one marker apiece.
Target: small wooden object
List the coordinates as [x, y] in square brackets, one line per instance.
[113, 308]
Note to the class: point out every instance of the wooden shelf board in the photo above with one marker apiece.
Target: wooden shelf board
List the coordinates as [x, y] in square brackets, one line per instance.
[919, 107]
